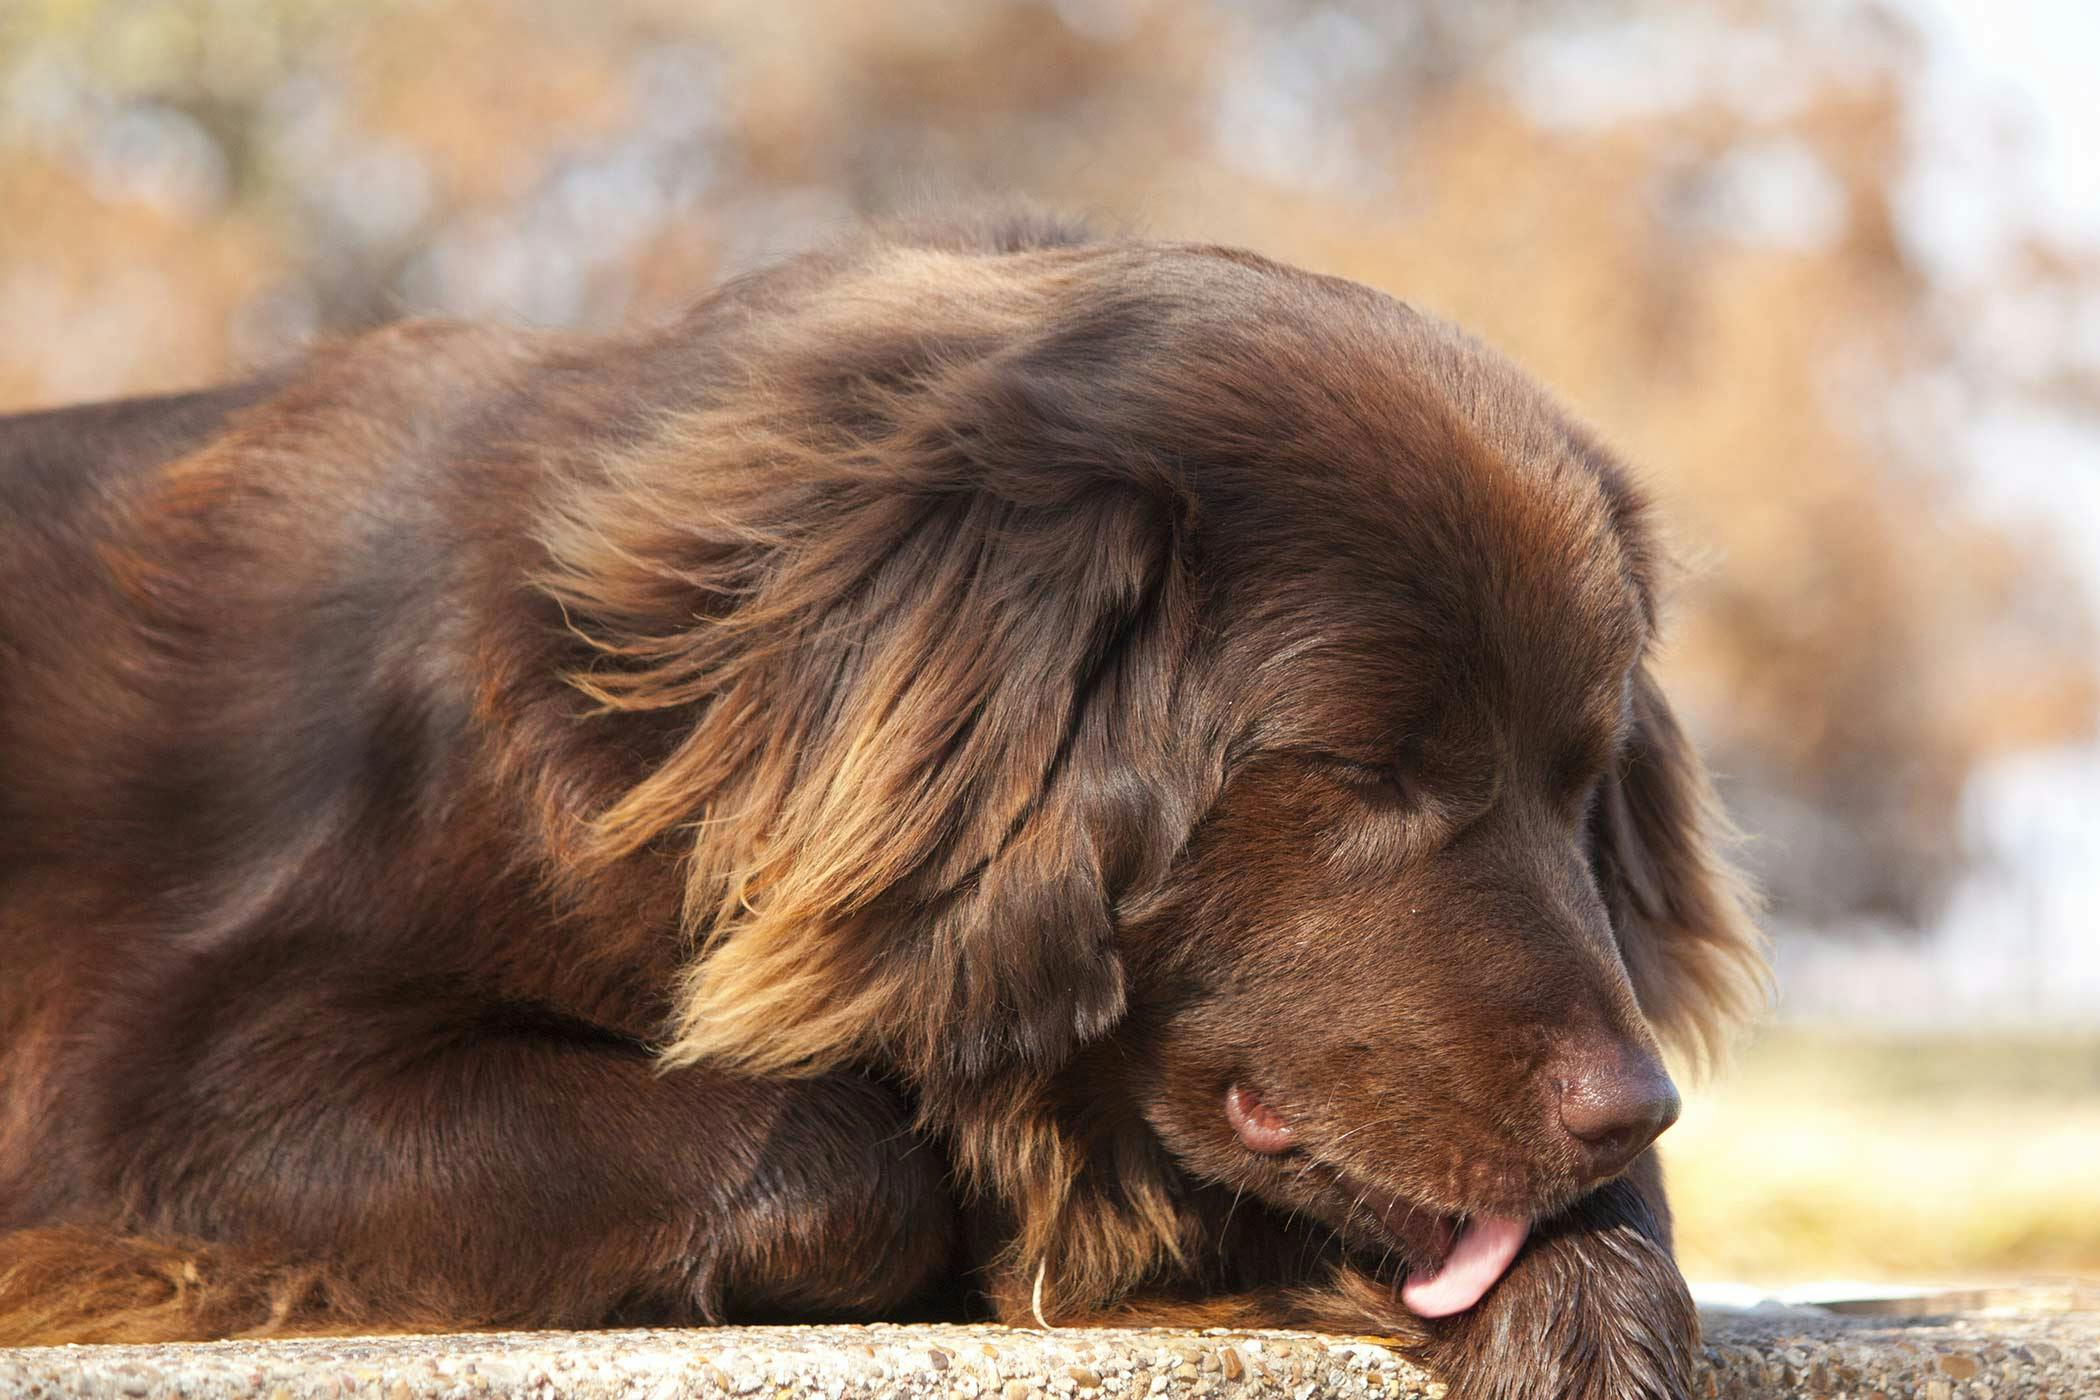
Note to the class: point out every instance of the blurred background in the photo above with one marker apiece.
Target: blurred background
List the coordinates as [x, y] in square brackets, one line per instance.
[1828, 270]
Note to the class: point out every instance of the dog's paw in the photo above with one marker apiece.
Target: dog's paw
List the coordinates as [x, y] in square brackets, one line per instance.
[1594, 1309]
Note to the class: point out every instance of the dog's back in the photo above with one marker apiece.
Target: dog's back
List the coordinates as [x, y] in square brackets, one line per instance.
[55, 467]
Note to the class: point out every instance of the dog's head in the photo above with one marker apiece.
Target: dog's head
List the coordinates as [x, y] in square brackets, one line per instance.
[1153, 645]
[1410, 971]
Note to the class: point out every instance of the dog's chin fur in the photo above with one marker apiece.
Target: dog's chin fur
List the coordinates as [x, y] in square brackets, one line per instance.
[803, 812]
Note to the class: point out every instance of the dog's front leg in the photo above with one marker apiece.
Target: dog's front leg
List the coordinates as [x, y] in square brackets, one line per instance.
[334, 1156]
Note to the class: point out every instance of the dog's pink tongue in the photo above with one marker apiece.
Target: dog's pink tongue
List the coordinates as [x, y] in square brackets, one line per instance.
[1481, 1254]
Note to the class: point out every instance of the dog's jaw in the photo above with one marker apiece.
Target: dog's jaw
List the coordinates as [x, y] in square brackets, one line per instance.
[1462, 1259]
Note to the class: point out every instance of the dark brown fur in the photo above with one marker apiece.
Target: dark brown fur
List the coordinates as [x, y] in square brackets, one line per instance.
[803, 813]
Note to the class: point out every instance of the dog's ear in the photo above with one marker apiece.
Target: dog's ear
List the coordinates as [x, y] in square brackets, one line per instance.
[1681, 912]
[935, 886]
[914, 654]
[1018, 960]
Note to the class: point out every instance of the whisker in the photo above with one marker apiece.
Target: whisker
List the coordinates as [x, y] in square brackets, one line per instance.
[1225, 1230]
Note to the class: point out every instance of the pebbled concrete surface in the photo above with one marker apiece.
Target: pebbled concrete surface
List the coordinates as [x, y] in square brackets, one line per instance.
[1758, 1353]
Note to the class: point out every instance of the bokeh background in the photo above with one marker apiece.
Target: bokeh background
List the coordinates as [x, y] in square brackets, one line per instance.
[1828, 270]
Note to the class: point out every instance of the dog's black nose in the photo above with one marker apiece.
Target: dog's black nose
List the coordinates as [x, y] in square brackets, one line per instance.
[1615, 1099]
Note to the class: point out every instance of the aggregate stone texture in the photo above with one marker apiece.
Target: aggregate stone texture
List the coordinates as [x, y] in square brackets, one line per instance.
[1762, 1353]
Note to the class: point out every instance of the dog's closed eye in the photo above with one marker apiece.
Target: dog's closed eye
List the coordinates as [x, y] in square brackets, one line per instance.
[1383, 782]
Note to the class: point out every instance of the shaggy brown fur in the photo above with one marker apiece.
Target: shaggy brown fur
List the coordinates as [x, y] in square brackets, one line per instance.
[806, 812]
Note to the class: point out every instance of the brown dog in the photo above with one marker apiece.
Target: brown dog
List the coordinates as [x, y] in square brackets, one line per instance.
[982, 771]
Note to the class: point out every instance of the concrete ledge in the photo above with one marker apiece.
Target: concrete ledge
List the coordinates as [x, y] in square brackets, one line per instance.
[1758, 1353]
